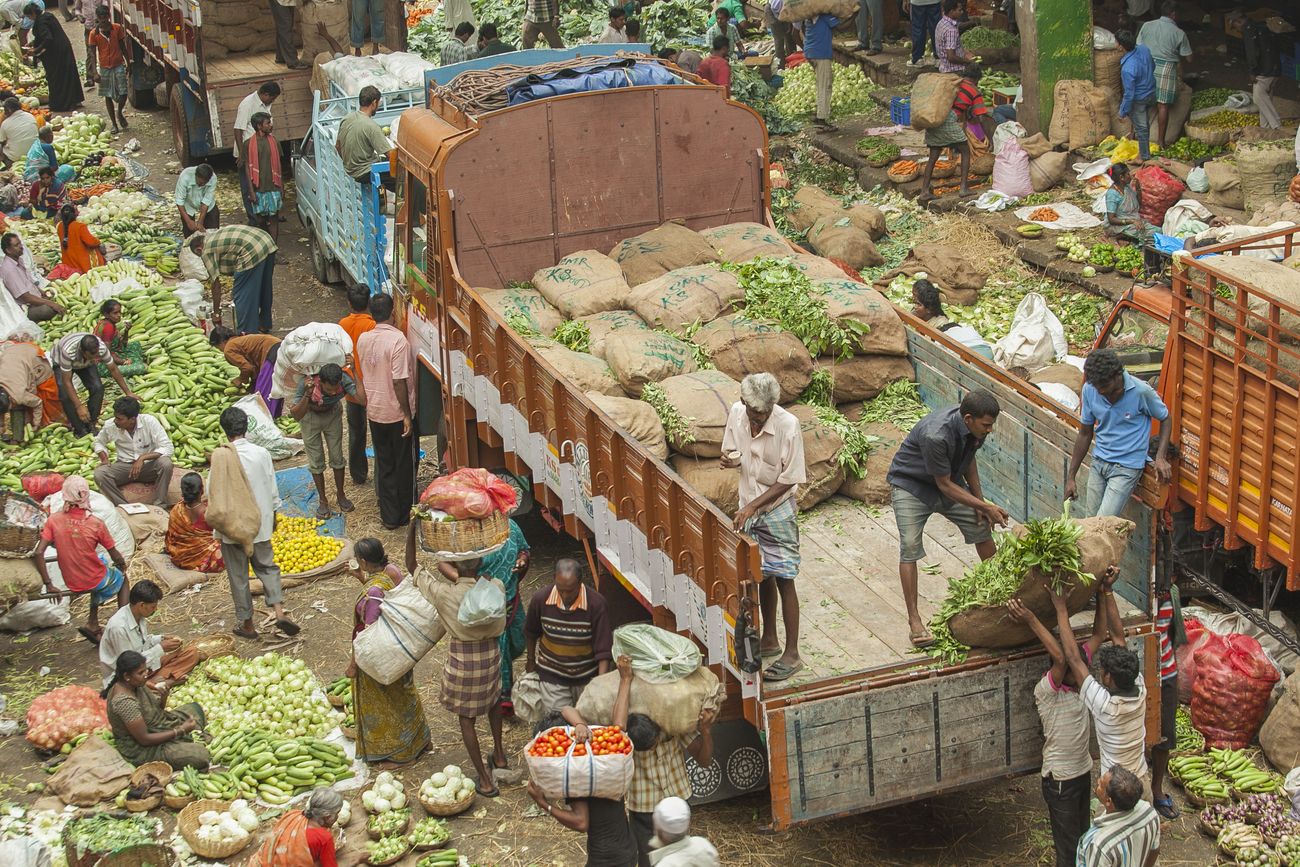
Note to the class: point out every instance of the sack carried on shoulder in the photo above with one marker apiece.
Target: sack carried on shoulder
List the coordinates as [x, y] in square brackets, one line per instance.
[392, 645]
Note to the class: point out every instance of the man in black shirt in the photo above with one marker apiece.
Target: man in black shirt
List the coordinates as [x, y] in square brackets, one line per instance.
[935, 471]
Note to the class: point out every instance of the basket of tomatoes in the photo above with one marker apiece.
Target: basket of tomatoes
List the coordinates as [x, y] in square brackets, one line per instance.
[564, 767]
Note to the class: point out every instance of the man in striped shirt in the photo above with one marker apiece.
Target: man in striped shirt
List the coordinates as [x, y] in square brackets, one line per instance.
[1128, 833]
[569, 637]
[247, 254]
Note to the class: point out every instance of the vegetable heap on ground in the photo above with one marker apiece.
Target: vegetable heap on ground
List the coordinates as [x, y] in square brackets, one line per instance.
[1050, 545]
[850, 94]
[299, 547]
[748, 86]
[104, 832]
[271, 693]
[979, 37]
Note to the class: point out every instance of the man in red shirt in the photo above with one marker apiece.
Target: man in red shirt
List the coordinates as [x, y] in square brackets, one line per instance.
[716, 68]
[76, 535]
[109, 41]
[357, 323]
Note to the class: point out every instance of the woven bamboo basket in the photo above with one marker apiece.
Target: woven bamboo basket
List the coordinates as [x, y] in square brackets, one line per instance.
[349, 733]
[903, 177]
[177, 802]
[16, 540]
[943, 169]
[376, 835]
[188, 825]
[392, 860]
[145, 855]
[162, 772]
[444, 810]
[336, 700]
[1206, 135]
[464, 536]
[214, 645]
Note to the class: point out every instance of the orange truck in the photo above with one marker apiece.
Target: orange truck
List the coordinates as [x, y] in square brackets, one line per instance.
[488, 195]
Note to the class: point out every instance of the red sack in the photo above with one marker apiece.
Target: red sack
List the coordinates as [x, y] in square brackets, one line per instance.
[1185, 655]
[1234, 678]
[1158, 190]
[61, 272]
[472, 492]
[61, 714]
[40, 485]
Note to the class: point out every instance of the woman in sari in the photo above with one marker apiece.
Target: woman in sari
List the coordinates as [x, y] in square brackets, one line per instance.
[302, 838]
[189, 541]
[509, 565]
[144, 730]
[1123, 206]
[51, 46]
[391, 728]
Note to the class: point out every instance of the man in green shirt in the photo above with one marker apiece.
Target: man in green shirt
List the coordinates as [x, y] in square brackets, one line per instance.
[361, 142]
[723, 25]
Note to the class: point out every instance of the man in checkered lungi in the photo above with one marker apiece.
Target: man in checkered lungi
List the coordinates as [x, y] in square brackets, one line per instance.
[1169, 47]
[766, 442]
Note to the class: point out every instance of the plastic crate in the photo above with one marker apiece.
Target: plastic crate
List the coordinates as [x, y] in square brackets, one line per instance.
[900, 110]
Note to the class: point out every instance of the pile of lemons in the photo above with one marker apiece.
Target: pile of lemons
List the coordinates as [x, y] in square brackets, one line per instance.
[298, 547]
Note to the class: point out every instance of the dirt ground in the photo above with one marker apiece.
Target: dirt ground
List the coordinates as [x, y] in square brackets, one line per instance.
[1003, 823]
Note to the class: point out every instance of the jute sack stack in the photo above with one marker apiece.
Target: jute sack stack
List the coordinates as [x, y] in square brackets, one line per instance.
[862, 377]
[583, 283]
[960, 277]
[638, 357]
[676, 299]
[1105, 69]
[601, 325]
[739, 346]
[1101, 546]
[585, 371]
[636, 417]
[820, 446]
[744, 242]
[873, 488]
[674, 706]
[1266, 170]
[1279, 737]
[235, 27]
[847, 299]
[817, 268]
[703, 399]
[525, 302]
[711, 480]
[1225, 185]
[810, 205]
[1080, 114]
[836, 237]
[336, 16]
[652, 254]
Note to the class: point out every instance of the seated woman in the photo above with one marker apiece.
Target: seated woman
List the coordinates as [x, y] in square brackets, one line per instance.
[46, 196]
[302, 838]
[144, 730]
[929, 308]
[81, 250]
[127, 353]
[189, 541]
[1123, 204]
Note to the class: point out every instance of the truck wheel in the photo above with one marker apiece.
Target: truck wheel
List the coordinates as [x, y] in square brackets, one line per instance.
[320, 264]
[143, 99]
[180, 129]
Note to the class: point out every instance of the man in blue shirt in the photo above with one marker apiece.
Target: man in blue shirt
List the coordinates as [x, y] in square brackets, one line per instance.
[1137, 73]
[1117, 410]
[817, 49]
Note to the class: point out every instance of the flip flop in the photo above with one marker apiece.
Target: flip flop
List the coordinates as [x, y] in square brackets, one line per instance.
[769, 654]
[287, 626]
[1165, 807]
[923, 640]
[493, 792]
[250, 634]
[90, 635]
[779, 671]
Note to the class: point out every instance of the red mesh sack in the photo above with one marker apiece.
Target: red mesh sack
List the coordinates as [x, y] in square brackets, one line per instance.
[40, 485]
[847, 269]
[1234, 678]
[1185, 654]
[472, 492]
[1157, 194]
[61, 714]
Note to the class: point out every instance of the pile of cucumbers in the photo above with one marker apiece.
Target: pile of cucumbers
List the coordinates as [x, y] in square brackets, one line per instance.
[275, 769]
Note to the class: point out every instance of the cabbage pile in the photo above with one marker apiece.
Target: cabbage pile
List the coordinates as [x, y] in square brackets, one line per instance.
[273, 693]
[850, 92]
[385, 795]
[229, 826]
[448, 786]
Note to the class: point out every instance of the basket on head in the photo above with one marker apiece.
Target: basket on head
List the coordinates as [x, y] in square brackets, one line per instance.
[214, 645]
[18, 540]
[464, 539]
[453, 809]
[187, 823]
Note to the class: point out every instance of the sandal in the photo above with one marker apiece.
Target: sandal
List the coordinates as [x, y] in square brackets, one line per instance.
[493, 792]
[769, 653]
[287, 626]
[250, 634]
[921, 640]
[779, 671]
[1165, 807]
[90, 635]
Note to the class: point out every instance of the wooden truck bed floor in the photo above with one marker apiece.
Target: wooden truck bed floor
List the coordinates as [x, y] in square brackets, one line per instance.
[852, 615]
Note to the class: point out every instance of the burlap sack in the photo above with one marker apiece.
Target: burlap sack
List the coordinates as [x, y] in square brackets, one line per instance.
[817, 268]
[1225, 185]
[700, 293]
[526, 302]
[1102, 546]
[846, 299]
[739, 346]
[983, 164]
[710, 480]
[820, 446]
[1177, 169]
[638, 357]
[932, 97]
[1279, 737]
[959, 276]
[873, 488]
[1105, 69]
[1178, 112]
[869, 219]
[652, 254]
[583, 283]
[675, 706]
[335, 16]
[586, 372]
[836, 237]
[744, 242]
[1268, 279]
[703, 398]
[228, 497]
[1065, 374]
[1080, 114]
[806, 10]
[601, 325]
[1266, 170]
[862, 377]
[636, 417]
[1035, 145]
[1048, 170]
[18, 579]
[810, 205]
[93, 772]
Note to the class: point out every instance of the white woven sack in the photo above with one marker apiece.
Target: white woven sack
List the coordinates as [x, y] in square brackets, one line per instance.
[569, 776]
[403, 634]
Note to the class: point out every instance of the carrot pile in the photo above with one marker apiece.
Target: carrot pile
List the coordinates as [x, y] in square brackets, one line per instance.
[81, 194]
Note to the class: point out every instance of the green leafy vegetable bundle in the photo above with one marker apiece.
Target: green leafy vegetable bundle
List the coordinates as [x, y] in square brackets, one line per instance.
[777, 291]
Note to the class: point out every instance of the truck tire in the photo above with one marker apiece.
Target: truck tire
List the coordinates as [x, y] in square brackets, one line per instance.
[180, 129]
[144, 99]
[320, 262]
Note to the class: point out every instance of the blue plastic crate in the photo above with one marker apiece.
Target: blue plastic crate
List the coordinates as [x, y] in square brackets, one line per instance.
[900, 110]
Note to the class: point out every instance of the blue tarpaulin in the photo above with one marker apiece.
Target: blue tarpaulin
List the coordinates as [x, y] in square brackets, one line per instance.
[583, 79]
[299, 500]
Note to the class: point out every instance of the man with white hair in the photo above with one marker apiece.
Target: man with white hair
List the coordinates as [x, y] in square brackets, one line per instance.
[672, 845]
[766, 442]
